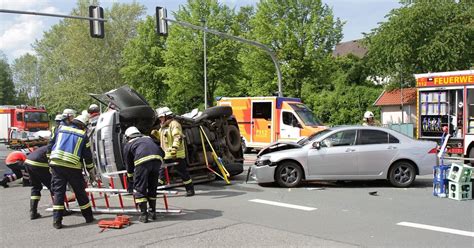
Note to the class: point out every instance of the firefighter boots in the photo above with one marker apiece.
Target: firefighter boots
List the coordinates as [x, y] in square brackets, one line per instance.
[57, 218]
[34, 209]
[87, 213]
[189, 189]
[143, 209]
[152, 204]
[4, 182]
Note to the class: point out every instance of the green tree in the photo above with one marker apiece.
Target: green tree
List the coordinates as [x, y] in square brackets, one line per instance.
[26, 76]
[423, 36]
[303, 34]
[184, 55]
[142, 62]
[73, 64]
[7, 89]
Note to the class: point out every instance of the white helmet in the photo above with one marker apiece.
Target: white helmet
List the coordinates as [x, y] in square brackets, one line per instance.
[93, 108]
[85, 113]
[131, 131]
[164, 111]
[69, 113]
[58, 118]
[368, 114]
[83, 119]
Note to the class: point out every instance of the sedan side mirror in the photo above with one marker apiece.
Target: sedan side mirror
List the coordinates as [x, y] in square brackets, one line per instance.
[317, 145]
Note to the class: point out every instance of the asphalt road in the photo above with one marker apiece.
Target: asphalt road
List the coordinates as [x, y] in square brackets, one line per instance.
[245, 215]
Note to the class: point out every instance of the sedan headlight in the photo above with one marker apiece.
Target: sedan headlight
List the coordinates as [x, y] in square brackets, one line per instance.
[264, 161]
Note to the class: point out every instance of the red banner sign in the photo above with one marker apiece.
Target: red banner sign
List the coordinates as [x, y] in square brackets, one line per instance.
[440, 81]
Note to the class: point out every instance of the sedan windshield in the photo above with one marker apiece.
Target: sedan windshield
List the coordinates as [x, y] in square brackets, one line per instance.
[313, 136]
[305, 114]
[36, 117]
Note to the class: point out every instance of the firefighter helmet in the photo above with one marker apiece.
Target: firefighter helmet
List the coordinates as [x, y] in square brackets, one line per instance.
[58, 118]
[82, 119]
[93, 108]
[164, 111]
[368, 114]
[131, 131]
[69, 113]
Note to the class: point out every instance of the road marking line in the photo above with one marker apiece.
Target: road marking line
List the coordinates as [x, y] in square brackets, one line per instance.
[286, 205]
[437, 228]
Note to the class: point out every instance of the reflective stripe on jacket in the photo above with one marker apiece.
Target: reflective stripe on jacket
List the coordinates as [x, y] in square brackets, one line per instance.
[38, 157]
[140, 150]
[69, 147]
[171, 135]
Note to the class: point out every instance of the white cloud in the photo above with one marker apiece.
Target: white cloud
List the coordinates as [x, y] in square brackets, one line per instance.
[18, 32]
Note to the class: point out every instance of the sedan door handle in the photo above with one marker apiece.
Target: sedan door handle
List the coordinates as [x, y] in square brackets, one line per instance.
[350, 150]
[391, 147]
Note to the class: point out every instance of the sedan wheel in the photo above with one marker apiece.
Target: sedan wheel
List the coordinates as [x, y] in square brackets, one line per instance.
[288, 174]
[402, 174]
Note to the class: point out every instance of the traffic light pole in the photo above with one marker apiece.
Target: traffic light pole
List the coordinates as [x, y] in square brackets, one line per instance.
[48, 14]
[251, 42]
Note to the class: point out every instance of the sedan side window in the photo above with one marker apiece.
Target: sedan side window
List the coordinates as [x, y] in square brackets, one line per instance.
[392, 139]
[371, 137]
[343, 138]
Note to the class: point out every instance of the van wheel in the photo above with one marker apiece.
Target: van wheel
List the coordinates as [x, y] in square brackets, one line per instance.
[402, 174]
[288, 174]
[233, 138]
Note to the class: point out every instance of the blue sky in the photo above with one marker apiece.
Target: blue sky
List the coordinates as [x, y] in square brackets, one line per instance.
[18, 32]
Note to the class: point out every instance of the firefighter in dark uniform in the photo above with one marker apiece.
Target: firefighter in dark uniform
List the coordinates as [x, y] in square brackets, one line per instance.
[171, 140]
[69, 148]
[143, 159]
[37, 165]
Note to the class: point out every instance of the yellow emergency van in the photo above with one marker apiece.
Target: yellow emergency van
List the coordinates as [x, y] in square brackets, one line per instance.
[264, 120]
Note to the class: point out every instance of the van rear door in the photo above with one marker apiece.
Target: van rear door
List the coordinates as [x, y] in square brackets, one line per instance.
[262, 116]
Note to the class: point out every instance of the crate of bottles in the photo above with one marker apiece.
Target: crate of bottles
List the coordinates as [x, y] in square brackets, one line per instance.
[440, 172]
[460, 191]
[440, 187]
[460, 173]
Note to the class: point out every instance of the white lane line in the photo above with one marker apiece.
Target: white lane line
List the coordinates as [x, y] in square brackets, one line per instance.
[437, 229]
[285, 205]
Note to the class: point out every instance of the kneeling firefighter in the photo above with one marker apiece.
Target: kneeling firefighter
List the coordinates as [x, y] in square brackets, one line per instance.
[69, 148]
[143, 159]
[14, 162]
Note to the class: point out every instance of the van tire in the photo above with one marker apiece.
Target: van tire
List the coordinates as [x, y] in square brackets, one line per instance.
[233, 138]
[215, 112]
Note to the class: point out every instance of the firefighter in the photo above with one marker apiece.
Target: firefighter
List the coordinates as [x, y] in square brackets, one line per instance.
[369, 119]
[94, 113]
[68, 116]
[143, 159]
[171, 137]
[68, 149]
[58, 119]
[37, 165]
[14, 162]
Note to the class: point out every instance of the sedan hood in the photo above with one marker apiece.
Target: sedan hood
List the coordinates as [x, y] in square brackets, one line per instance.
[278, 146]
[122, 97]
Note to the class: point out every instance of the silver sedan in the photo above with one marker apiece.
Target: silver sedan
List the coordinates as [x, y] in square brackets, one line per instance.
[347, 153]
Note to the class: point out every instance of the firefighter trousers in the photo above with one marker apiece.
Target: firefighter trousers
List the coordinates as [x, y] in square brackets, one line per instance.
[145, 180]
[61, 176]
[181, 169]
[39, 176]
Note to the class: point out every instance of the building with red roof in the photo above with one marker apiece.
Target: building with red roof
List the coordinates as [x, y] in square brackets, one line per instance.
[397, 106]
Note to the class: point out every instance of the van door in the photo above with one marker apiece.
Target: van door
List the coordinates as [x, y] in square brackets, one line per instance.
[262, 116]
[289, 126]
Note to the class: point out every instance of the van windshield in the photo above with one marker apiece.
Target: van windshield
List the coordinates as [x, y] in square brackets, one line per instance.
[36, 117]
[305, 114]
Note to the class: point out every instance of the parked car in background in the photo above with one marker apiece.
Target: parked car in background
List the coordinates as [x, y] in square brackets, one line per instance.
[128, 108]
[347, 153]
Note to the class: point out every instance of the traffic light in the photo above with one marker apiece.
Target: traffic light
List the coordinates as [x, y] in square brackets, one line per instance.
[161, 22]
[96, 27]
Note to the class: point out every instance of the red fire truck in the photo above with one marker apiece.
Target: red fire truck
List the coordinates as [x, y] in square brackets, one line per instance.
[18, 125]
[446, 99]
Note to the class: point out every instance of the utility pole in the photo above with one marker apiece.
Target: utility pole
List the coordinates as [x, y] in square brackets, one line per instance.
[205, 62]
[162, 29]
